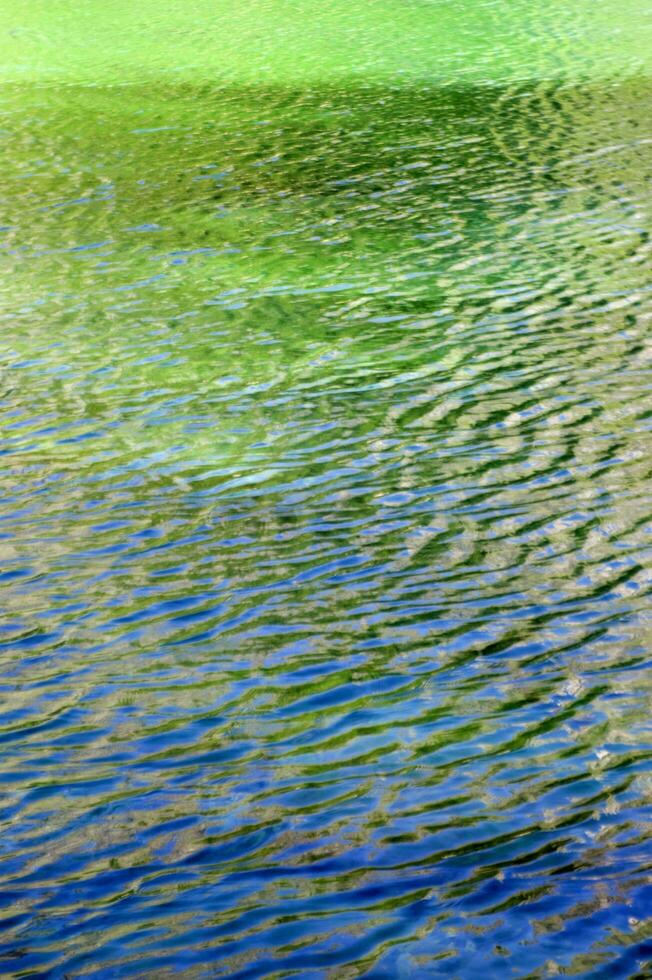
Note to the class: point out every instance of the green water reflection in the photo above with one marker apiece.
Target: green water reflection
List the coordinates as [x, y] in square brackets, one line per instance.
[325, 498]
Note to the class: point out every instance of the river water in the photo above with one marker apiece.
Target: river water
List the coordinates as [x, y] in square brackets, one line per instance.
[325, 489]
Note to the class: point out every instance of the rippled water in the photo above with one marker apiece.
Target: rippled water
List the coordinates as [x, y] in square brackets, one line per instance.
[326, 490]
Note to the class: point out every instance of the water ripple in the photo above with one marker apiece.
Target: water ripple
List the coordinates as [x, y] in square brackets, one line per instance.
[324, 523]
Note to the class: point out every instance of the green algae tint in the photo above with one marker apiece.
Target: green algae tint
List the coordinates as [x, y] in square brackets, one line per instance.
[287, 42]
[325, 489]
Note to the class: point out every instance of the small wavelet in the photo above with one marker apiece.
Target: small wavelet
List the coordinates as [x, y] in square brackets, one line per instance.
[325, 520]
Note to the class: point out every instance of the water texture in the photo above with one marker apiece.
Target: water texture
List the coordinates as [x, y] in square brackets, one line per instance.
[325, 489]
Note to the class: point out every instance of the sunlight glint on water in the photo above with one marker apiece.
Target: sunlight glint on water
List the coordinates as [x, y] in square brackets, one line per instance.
[325, 498]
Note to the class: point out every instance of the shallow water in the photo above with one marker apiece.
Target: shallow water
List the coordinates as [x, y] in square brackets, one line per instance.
[326, 491]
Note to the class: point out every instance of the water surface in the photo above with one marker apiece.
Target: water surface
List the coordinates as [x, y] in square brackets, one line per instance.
[325, 496]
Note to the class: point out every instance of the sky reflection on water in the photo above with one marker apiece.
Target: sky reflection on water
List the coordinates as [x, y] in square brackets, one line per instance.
[324, 513]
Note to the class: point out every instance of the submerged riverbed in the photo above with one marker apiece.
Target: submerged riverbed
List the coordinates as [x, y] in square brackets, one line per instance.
[325, 497]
